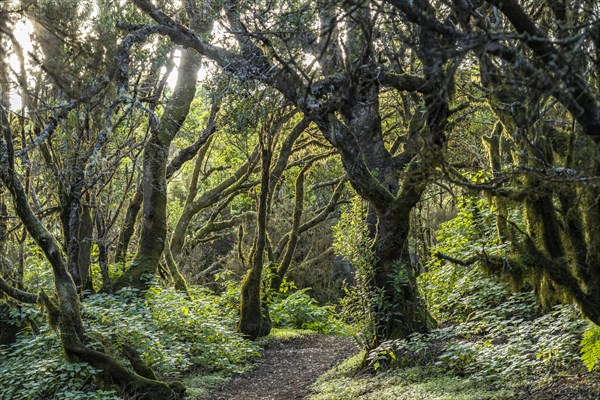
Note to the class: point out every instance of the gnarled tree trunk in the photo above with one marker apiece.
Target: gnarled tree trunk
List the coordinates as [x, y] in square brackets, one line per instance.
[254, 322]
[156, 153]
[67, 310]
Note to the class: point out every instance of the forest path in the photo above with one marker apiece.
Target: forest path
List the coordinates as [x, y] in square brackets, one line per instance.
[287, 368]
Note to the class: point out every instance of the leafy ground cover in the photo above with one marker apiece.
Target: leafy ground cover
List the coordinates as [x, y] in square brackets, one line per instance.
[191, 338]
[511, 351]
[491, 356]
[491, 343]
[172, 333]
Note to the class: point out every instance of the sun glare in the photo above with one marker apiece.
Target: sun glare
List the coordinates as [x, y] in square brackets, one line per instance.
[22, 32]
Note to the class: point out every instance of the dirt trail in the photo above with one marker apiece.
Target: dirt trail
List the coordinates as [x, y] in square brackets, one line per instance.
[287, 369]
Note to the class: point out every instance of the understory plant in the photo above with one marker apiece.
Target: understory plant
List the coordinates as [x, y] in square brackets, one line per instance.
[352, 241]
[171, 333]
[487, 332]
[501, 343]
[297, 309]
[590, 347]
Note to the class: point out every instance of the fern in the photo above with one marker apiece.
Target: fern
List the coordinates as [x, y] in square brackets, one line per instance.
[590, 347]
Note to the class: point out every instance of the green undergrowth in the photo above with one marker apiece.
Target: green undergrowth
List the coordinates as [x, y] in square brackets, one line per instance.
[174, 334]
[284, 335]
[190, 338]
[199, 385]
[490, 343]
[348, 382]
[298, 310]
[496, 353]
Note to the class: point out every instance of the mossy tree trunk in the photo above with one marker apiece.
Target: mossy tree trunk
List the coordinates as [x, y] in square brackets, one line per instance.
[156, 153]
[85, 237]
[3, 225]
[254, 321]
[102, 244]
[154, 181]
[291, 238]
[493, 145]
[128, 226]
[294, 234]
[67, 309]
[399, 310]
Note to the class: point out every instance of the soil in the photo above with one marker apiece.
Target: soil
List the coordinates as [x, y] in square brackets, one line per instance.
[576, 387]
[287, 369]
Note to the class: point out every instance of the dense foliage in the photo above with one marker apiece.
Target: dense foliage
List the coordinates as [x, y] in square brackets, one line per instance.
[172, 333]
[179, 178]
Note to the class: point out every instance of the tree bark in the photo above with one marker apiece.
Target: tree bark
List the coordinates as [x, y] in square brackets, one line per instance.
[156, 152]
[253, 322]
[294, 234]
[399, 310]
[85, 237]
[129, 225]
[68, 308]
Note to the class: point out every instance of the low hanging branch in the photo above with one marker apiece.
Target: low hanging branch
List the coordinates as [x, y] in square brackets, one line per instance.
[193, 206]
[466, 263]
[213, 227]
[17, 294]
[314, 221]
[190, 152]
[294, 233]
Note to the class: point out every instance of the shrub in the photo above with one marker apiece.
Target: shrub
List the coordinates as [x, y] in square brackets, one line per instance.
[34, 367]
[352, 241]
[173, 334]
[590, 346]
[504, 342]
[454, 292]
[300, 311]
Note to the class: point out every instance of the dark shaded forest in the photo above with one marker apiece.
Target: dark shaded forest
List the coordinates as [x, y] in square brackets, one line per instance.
[187, 186]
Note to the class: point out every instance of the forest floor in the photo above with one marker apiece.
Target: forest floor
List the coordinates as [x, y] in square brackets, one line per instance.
[286, 369]
[296, 366]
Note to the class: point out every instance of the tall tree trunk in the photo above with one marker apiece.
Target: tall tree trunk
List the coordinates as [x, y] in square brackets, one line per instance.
[156, 153]
[154, 217]
[135, 205]
[398, 307]
[85, 237]
[294, 235]
[101, 242]
[3, 225]
[253, 322]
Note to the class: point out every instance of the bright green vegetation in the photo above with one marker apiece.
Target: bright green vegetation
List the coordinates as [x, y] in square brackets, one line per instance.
[300, 311]
[427, 383]
[491, 343]
[497, 354]
[189, 338]
[172, 334]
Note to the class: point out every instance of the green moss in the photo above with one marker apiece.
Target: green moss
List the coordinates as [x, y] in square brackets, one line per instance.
[198, 386]
[345, 382]
[282, 334]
